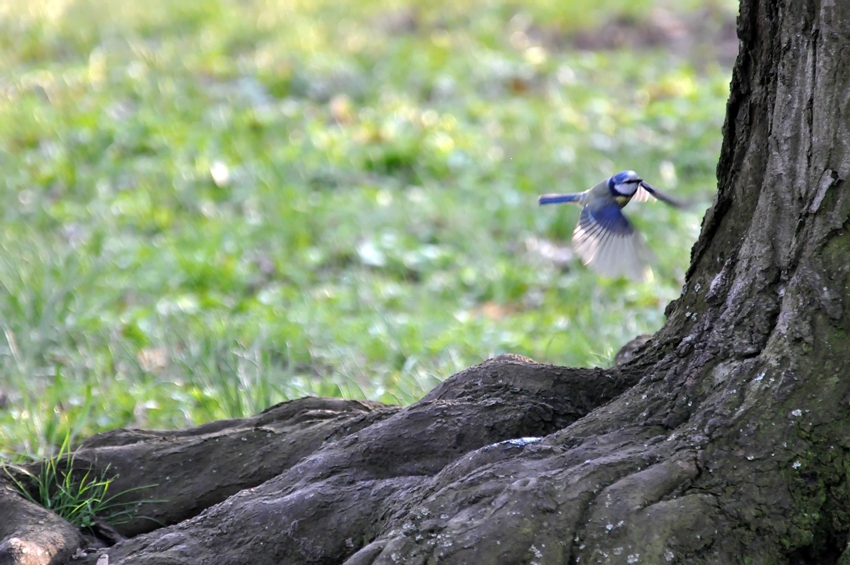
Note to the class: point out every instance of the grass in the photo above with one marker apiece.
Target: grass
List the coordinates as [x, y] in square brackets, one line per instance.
[210, 207]
[79, 497]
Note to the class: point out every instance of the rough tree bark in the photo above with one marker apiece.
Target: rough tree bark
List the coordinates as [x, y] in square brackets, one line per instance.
[726, 439]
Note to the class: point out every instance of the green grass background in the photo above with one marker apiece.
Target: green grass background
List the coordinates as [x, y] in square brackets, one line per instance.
[209, 207]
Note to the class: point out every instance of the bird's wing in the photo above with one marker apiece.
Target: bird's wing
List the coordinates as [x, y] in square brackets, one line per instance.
[559, 198]
[646, 191]
[608, 243]
[643, 195]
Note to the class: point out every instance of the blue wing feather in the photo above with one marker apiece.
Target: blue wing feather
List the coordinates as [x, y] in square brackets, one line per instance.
[607, 218]
[608, 243]
[559, 198]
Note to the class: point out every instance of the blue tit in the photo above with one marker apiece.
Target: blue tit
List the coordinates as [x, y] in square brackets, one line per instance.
[604, 238]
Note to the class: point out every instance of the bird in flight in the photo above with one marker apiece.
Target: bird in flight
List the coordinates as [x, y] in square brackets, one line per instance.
[604, 239]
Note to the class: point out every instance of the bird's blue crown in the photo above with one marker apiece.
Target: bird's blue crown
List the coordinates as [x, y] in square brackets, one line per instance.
[624, 183]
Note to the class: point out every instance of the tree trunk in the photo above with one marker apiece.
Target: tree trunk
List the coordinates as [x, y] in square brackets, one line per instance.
[726, 439]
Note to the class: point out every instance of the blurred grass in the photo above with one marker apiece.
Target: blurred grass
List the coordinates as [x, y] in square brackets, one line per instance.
[210, 207]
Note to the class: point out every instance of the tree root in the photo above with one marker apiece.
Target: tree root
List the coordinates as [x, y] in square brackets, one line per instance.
[32, 535]
[325, 481]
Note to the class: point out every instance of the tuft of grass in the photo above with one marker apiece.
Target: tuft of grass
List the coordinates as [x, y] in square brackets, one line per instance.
[80, 497]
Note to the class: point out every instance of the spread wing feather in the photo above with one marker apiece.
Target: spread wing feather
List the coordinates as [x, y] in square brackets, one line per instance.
[608, 243]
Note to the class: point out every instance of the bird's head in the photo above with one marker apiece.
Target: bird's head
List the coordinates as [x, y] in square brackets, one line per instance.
[624, 183]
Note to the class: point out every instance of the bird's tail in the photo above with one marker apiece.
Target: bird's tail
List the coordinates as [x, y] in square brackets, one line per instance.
[559, 198]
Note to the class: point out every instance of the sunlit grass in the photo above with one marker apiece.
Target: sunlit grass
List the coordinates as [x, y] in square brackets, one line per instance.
[80, 496]
[212, 207]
